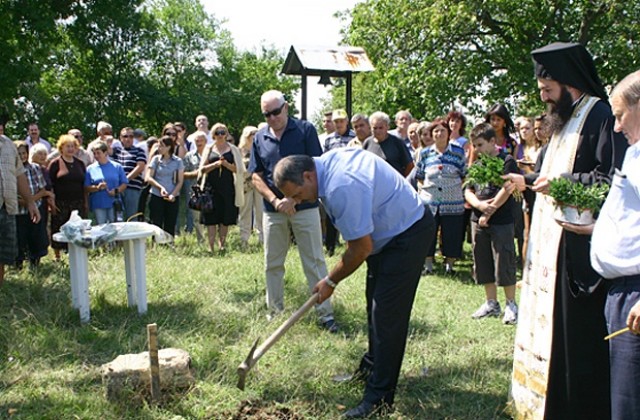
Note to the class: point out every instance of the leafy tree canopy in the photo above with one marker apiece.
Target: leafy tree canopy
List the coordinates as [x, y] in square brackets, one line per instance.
[432, 55]
[130, 62]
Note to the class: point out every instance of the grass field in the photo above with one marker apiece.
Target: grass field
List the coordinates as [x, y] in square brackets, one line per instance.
[213, 307]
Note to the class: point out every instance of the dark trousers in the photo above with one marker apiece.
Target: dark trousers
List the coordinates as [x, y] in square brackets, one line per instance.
[142, 202]
[163, 213]
[331, 238]
[33, 241]
[392, 279]
[624, 350]
[451, 228]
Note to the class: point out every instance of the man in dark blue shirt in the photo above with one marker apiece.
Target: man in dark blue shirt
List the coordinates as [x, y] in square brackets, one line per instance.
[284, 136]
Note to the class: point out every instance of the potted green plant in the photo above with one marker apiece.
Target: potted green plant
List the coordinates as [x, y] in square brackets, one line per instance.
[488, 173]
[577, 203]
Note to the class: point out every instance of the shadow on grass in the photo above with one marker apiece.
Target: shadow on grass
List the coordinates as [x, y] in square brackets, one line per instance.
[441, 393]
[445, 392]
[40, 307]
[36, 407]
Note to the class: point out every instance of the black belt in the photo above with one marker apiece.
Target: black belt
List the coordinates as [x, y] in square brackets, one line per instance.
[633, 280]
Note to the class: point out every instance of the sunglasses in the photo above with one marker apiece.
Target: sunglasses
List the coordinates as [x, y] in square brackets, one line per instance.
[126, 136]
[171, 133]
[78, 136]
[274, 113]
[220, 133]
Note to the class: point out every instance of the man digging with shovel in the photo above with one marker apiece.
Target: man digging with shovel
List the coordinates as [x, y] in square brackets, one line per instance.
[384, 223]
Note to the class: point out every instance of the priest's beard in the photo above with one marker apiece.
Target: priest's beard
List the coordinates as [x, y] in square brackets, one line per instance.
[560, 111]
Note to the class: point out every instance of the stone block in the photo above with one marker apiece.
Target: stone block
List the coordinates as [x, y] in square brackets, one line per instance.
[130, 373]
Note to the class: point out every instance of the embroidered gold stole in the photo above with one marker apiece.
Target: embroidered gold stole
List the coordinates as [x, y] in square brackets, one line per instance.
[532, 349]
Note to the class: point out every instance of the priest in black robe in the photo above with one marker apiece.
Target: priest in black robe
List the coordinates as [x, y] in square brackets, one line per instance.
[571, 380]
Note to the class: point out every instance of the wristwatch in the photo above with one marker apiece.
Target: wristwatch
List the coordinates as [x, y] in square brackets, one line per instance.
[330, 282]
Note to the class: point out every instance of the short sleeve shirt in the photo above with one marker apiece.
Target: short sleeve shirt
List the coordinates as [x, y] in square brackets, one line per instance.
[363, 196]
[298, 138]
[36, 183]
[503, 215]
[112, 173]
[615, 244]
[393, 150]
[441, 175]
[336, 141]
[191, 161]
[10, 168]
[165, 173]
[129, 159]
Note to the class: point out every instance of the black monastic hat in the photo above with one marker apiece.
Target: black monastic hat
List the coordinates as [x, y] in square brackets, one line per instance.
[569, 64]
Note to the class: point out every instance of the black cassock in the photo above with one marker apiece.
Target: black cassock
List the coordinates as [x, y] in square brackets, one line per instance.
[578, 385]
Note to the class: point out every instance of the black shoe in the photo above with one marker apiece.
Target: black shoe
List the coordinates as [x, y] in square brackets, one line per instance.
[366, 410]
[331, 325]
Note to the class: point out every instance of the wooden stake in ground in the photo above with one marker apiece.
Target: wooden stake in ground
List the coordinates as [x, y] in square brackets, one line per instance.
[154, 365]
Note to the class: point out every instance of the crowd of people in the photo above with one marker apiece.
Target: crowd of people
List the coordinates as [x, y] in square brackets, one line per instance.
[394, 196]
[134, 177]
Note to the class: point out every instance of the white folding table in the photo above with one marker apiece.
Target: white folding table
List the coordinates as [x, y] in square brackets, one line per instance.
[134, 246]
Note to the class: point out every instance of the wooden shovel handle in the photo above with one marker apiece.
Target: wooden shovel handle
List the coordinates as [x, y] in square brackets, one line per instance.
[275, 336]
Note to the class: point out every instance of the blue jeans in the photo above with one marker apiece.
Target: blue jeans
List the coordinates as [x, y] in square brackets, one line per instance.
[183, 199]
[104, 215]
[130, 200]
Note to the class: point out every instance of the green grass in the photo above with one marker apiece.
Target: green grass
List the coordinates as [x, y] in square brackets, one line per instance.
[214, 308]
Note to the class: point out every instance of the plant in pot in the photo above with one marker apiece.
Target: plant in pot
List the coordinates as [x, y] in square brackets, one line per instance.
[488, 173]
[575, 202]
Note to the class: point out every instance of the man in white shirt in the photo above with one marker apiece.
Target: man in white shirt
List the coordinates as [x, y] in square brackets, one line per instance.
[615, 254]
[34, 138]
[202, 124]
[403, 119]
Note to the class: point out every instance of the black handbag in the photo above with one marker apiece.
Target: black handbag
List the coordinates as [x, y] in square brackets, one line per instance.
[201, 199]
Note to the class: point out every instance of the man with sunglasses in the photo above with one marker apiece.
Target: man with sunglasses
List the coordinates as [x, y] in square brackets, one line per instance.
[284, 136]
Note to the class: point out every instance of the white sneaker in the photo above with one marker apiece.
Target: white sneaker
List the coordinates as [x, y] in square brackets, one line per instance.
[510, 313]
[487, 309]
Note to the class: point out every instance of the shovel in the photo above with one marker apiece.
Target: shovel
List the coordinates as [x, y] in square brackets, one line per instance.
[257, 352]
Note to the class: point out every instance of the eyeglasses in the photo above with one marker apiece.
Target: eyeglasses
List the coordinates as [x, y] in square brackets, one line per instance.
[220, 133]
[171, 133]
[274, 112]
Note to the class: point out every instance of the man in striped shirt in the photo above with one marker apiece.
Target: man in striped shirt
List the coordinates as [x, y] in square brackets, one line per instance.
[133, 161]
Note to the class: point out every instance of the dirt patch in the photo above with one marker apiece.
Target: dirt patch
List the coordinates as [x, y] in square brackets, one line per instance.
[259, 410]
